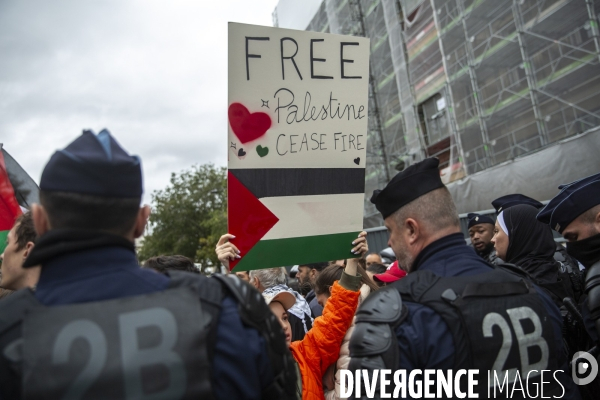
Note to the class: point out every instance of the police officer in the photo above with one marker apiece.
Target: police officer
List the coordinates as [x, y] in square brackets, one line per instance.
[481, 231]
[569, 268]
[575, 214]
[453, 310]
[98, 326]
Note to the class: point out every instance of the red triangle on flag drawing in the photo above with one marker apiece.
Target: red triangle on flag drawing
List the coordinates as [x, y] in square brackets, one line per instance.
[247, 218]
[9, 207]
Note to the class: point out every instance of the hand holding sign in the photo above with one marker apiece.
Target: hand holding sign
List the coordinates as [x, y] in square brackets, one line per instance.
[226, 250]
[361, 247]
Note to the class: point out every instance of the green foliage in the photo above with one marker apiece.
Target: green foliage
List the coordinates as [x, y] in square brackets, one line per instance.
[189, 216]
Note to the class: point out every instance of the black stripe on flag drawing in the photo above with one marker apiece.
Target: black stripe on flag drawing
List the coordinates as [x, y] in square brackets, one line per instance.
[279, 182]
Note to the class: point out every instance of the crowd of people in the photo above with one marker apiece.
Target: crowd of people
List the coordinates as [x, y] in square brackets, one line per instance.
[81, 318]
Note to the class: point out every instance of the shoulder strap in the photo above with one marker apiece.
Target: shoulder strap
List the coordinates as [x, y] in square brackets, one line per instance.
[569, 271]
[255, 313]
[592, 288]
[422, 287]
[211, 295]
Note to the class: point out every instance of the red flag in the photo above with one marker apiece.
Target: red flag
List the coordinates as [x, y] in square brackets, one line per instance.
[9, 207]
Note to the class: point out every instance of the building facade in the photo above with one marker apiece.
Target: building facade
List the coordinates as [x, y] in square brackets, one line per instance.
[480, 84]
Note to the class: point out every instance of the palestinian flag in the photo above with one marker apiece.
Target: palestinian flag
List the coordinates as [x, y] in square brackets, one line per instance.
[17, 192]
[286, 216]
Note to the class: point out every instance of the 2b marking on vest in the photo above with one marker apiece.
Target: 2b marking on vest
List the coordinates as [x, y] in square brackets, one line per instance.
[133, 357]
[525, 341]
[92, 334]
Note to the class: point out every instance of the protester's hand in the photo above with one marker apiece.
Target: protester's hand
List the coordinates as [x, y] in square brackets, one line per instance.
[360, 248]
[226, 250]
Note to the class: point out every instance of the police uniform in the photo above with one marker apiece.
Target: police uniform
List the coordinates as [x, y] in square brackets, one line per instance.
[573, 200]
[489, 253]
[454, 310]
[98, 326]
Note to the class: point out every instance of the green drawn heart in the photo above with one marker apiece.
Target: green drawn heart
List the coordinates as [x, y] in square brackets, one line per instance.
[262, 151]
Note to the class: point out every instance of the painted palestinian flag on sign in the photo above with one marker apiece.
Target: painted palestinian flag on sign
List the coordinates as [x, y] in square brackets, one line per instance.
[17, 192]
[297, 145]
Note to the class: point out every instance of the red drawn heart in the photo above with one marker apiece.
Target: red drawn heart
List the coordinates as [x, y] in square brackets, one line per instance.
[247, 126]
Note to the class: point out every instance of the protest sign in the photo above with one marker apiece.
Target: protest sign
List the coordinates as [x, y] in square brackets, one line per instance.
[297, 136]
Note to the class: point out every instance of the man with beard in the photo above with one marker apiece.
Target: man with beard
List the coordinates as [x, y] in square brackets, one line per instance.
[481, 231]
[453, 311]
[307, 275]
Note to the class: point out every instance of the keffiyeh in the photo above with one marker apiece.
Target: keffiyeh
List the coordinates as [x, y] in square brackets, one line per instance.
[299, 309]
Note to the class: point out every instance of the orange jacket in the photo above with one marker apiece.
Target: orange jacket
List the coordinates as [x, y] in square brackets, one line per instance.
[321, 346]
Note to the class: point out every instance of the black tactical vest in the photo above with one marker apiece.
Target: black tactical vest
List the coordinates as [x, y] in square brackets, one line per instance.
[154, 346]
[497, 320]
[569, 272]
[592, 288]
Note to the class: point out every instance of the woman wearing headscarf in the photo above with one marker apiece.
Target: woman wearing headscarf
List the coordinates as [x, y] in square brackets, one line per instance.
[520, 239]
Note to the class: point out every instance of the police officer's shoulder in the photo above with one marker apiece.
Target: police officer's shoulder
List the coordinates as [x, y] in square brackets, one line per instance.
[513, 270]
[240, 289]
[250, 302]
[373, 338]
[213, 290]
[209, 290]
[415, 284]
[382, 306]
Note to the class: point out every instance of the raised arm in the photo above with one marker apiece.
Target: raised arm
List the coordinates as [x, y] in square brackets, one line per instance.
[226, 250]
[322, 343]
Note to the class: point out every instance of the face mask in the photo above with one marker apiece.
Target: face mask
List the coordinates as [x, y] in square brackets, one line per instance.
[586, 251]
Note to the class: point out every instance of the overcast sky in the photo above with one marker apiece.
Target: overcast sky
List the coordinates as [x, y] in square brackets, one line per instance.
[153, 72]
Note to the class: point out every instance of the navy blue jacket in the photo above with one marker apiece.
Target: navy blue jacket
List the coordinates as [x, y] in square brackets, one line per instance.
[424, 338]
[315, 307]
[240, 359]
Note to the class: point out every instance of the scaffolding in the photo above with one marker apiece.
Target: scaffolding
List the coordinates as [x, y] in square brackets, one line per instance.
[475, 83]
[386, 141]
[523, 74]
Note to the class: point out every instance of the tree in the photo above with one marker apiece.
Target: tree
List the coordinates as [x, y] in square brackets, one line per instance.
[189, 216]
